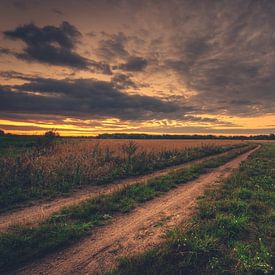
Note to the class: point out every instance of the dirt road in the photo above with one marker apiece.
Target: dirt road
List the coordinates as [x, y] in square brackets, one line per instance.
[134, 232]
[32, 215]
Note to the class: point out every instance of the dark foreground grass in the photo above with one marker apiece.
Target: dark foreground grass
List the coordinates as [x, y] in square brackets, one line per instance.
[233, 232]
[21, 244]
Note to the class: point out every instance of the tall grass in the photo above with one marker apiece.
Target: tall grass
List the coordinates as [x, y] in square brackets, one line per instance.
[57, 169]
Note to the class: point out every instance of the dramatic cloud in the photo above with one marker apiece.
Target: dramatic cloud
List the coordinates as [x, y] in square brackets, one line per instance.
[82, 98]
[134, 64]
[53, 45]
[201, 64]
[123, 81]
[229, 57]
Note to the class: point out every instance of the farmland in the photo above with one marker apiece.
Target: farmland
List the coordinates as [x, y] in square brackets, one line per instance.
[35, 172]
[94, 193]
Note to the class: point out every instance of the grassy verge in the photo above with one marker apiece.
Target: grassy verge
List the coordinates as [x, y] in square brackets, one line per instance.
[231, 234]
[21, 244]
[46, 174]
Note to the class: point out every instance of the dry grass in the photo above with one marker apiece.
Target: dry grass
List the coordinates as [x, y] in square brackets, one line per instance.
[60, 167]
[156, 145]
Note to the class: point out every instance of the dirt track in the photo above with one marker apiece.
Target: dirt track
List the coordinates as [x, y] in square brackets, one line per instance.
[32, 215]
[134, 232]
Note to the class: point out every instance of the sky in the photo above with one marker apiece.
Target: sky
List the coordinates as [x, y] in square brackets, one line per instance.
[85, 67]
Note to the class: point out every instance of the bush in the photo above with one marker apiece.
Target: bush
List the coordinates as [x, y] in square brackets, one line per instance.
[47, 141]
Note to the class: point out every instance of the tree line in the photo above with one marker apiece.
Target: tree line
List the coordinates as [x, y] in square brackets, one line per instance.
[149, 136]
[54, 134]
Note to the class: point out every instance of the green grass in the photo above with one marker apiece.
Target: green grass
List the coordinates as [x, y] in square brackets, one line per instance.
[232, 233]
[21, 244]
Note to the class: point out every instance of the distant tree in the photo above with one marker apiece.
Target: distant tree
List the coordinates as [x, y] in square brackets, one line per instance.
[47, 140]
[51, 134]
[2, 133]
[165, 136]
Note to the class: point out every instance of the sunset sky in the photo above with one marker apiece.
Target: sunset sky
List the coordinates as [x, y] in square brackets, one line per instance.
[86, 67]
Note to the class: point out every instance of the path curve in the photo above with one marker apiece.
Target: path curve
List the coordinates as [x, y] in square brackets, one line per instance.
[132, 233]
[32, 215]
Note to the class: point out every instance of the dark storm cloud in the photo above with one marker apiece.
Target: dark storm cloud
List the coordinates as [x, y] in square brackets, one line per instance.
[33, 118]
[49, 44]
[133, 64]
[117, 47]
[114, 48]
[225, 53]
[123, 81]
[53, 45]
[5, 51]
[82, 98]
[14, 75]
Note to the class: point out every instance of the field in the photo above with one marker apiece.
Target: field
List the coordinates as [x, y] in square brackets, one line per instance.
[96, 206]
[11, 145]
[31, 172]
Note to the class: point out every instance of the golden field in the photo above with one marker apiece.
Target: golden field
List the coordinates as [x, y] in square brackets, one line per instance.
[52, 169]
[154, 145]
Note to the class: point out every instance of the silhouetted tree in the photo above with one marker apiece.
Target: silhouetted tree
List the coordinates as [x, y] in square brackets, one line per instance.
[51, 134]
[148, 136]
[47, 140]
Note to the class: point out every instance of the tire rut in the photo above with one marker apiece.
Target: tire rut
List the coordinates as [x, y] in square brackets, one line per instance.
[32, 215]
[134, 232]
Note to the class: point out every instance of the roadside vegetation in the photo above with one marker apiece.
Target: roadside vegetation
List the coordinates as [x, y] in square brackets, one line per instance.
[232, 233]
[55, 167]
[21, 244]
[11, 146]
[14, 146]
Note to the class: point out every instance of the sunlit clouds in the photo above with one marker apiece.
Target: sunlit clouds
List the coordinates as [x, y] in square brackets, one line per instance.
[88, 67]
